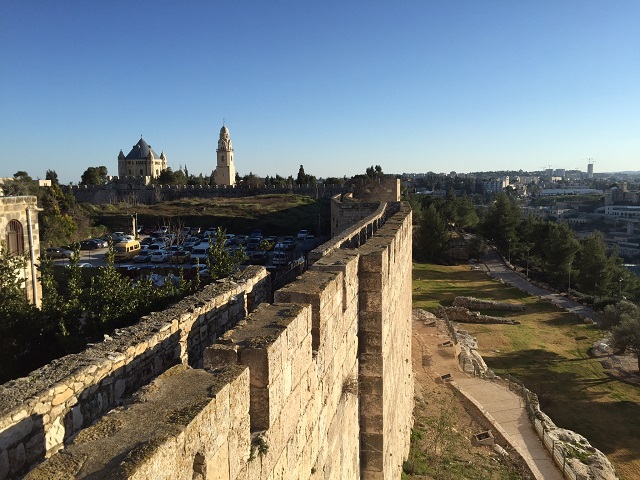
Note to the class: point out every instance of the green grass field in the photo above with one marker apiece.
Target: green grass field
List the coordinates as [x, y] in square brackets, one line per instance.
[548, 352]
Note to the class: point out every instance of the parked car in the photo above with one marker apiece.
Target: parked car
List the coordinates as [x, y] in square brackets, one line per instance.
[142, 257]
[159, 256]
[180, 256]
[280, 258]
[200, 253]
[194, 231]
[211, 232]
[58, 252]
[289, 243]
[259, 257]
[101, 242]
[302, 234]
[89, 245]
[241, 239]
[253, 243]
[191, 242]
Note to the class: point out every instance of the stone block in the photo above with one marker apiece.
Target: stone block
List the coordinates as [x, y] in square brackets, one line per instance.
[371, 301]
[5, 465]
[15, 433]
[62, 397]
[34, 448]
[17, 458]
[54, 436]
[371, 364]
[220, 354]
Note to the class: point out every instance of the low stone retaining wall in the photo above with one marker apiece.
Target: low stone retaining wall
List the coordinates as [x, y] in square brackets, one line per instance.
[478, 304]
[464, 315]
[39, 412]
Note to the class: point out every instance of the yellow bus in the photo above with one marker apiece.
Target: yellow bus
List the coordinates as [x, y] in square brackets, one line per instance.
[126, 250]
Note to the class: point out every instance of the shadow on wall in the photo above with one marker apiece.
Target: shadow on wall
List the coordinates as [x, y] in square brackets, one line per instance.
[16, 454]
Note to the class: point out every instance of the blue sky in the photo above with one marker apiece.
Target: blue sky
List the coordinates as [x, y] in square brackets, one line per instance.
[413, 86]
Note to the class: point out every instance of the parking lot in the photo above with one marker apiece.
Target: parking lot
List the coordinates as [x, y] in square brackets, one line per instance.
[278, 253]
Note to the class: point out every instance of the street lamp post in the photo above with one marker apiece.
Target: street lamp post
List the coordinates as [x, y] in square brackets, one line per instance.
[527, 263]
[569, 288]
[509, 251]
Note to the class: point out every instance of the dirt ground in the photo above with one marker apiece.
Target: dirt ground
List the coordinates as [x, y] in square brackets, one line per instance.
[622, 367]
[443, 430]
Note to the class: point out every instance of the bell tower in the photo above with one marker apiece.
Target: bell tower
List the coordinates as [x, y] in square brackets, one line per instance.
[225, 169]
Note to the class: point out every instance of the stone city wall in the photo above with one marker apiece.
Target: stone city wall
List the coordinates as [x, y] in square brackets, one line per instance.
[328, 392]
[39, 412]
[136, 191]
[347, 212]
[365, 224]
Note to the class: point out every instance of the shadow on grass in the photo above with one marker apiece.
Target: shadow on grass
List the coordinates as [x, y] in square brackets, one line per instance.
[575, 400]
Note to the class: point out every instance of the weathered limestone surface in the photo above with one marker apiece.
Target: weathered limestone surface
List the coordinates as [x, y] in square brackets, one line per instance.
[40, 412]
[24, 210]
[386, 377]
[316, 385]
[186, 422]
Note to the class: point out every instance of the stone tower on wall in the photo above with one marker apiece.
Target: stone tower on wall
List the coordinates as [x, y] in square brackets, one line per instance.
[141, 161]
[225, 173]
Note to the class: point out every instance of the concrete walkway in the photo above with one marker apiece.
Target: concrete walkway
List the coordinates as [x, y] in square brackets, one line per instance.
[503, 408]
[508, 411]
[497, 268]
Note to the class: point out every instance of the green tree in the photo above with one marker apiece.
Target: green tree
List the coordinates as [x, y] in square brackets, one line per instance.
[19, 326]
[220, 262]
[466, 214]
[625, 335]
[169, 177]
[94, 176]
[559, 249]
[595, 269]
[477, 247]
[433, 234]
[53, 176]
[374, 172]
[22, 184]
[614, 313]
[110, 297]
[501, 221]
[303, 178]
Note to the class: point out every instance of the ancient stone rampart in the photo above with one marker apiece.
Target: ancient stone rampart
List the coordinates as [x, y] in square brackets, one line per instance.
[136, 191]
[318, 384]
[39, 412]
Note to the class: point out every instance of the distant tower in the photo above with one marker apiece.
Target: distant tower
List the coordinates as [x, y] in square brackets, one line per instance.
[225, 169]
[590, 169]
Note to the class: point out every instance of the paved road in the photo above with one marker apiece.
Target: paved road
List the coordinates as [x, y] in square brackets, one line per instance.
[497, 268]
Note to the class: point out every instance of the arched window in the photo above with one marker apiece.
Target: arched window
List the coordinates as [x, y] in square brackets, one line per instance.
[15, 238]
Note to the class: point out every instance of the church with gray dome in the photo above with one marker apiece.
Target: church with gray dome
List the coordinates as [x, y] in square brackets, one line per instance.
[141, 161]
